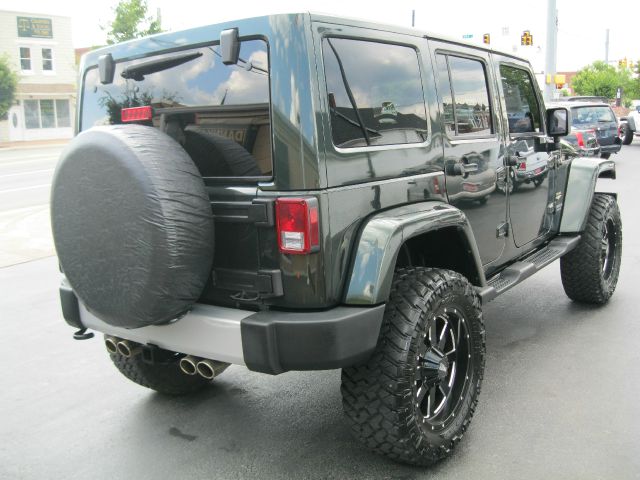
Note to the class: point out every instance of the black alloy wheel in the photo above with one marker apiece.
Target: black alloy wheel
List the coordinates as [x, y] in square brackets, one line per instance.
[608, 248]
[442, 367]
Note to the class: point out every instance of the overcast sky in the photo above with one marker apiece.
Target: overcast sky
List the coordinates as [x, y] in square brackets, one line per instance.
[581, 27]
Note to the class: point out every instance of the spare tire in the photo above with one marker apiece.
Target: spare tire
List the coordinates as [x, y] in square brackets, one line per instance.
[132, 225]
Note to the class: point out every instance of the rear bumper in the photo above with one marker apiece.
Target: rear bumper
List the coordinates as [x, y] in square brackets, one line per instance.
[613, 148]
[269, 341]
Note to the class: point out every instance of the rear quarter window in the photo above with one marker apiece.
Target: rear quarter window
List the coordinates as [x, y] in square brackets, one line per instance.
[378, 85]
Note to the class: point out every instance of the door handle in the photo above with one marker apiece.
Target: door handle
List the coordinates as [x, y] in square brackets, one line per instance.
[470, 167]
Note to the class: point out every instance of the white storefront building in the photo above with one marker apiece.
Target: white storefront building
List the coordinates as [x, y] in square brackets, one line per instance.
[40, 50]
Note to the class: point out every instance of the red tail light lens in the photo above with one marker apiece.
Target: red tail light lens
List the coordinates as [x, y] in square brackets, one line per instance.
[580, 139]
[297, 225]
[522, 166]
[136, 114]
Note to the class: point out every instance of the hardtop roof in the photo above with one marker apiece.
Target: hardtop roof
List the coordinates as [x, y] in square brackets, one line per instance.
[314, 17]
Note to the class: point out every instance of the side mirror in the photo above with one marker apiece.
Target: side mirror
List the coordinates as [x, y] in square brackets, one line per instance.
[558, 122]
[229, 46]
[106, 68]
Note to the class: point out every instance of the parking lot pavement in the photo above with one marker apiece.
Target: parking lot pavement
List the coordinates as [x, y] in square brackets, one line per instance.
[559, 398]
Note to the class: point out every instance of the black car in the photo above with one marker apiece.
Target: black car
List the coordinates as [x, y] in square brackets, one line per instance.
[599, 118]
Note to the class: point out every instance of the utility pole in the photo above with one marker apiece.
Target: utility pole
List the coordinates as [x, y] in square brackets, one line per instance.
[552, 46]
[413, 18]
[606, 49]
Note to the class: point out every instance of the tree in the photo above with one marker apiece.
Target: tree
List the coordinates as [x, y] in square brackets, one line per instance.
[8, 86]
[602, 80]
[131, 21]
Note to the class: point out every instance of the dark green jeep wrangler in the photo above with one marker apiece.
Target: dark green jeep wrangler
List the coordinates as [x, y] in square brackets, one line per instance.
[302, 192]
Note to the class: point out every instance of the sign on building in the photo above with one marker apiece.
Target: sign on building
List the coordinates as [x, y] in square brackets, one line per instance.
[35, 27]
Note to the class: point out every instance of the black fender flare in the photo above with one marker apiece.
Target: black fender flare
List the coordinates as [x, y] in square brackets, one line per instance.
[381, 238]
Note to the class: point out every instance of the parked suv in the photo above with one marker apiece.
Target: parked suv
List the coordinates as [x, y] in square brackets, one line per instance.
[303, 192]
[595, 118]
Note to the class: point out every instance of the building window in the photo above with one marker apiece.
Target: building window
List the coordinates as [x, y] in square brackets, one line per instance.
[47, 113]
[32, 113]
[62, 113]
[25, 59]
[47, 60]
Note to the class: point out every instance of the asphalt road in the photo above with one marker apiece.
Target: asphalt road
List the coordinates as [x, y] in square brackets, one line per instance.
[559, 398]
[25, 176]
[25, 184]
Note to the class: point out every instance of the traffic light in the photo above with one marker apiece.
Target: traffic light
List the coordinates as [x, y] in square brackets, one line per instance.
[486, 38]
[526, 38]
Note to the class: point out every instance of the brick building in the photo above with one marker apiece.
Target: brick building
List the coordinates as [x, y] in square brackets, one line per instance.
[40, 50]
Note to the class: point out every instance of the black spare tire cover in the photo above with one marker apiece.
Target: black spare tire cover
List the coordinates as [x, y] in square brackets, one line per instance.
[132, 224]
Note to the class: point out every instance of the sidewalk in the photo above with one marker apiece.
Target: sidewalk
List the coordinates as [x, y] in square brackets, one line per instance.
[25, 235]
[33, 144]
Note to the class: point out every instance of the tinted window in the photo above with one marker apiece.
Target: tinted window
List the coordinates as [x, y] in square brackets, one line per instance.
[463, 90]
[520, 100]
[589, 115]
[385, 87]
[200, 102]
[445, 94]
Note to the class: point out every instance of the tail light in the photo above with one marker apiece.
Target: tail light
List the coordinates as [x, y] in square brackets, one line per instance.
[522, 166]
[436, 186]
[580, 139]
[136, 114]
[297, 225]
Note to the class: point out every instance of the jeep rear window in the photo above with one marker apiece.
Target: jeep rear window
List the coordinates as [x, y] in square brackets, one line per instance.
[386, 87]
[210, 108]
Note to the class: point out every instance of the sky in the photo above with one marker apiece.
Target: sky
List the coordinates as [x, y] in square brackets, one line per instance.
[582, 24]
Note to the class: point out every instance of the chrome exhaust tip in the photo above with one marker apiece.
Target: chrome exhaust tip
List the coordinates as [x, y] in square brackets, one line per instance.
[210, 369]
[128, 349]
[111, 345]
[188, 365]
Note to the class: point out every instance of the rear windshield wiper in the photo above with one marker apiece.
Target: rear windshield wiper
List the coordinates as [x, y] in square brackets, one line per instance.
[352, 99]
[138, 71]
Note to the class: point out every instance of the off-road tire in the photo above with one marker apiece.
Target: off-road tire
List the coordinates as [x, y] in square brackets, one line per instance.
[378, 397]
[627, 134]
[586, 277]
[165, 378]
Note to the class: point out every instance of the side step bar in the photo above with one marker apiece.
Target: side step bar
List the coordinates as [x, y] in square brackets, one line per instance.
[519, 271]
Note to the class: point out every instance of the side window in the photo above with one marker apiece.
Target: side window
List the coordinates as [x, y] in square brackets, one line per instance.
[374, 93]
[463, 89]
[445, 94]
[523, 111]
